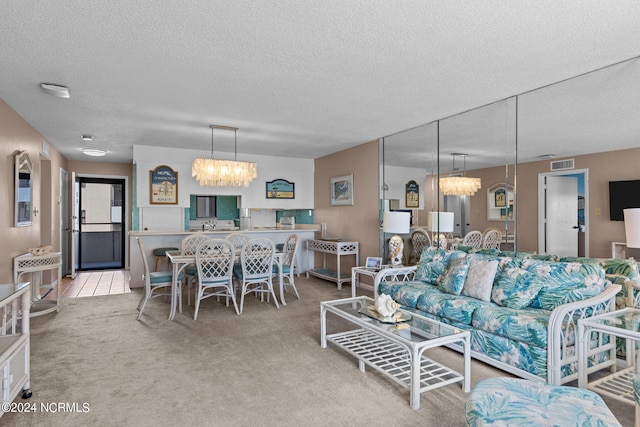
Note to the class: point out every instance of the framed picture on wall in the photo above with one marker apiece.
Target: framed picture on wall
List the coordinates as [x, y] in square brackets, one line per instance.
[412, 194]
[280, 189]
[342, 190]
[163, 186]
[501, 198]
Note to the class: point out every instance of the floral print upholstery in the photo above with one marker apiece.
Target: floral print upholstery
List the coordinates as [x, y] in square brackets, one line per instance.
[453, 279]
[565, 282]
[513, 326]
[509, 401]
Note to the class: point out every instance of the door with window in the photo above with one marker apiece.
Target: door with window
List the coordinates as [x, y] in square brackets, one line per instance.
[100, 225]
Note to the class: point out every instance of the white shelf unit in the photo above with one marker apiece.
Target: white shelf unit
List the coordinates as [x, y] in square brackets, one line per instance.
[504, 211]
[336, 248]
[15, 303]
[33, 264]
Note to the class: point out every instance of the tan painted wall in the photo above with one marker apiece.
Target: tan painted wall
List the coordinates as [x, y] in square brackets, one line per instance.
[359, 222]
[17, 135]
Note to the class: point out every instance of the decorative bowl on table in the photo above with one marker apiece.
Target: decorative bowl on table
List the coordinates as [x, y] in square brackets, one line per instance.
[39, 250]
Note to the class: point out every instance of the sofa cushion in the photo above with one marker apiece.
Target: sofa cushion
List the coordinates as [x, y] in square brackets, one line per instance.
[405, 293]
[456, 308]
[515, 288]
[434, 262]
[453, 279]
[524, 325]
[480, 277]
[565, 282]
[620, 266]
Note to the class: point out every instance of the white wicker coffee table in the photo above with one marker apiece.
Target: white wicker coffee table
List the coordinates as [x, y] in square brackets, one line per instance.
[396, 349]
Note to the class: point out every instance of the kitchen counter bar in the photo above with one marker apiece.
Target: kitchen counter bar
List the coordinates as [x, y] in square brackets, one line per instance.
[161, 239]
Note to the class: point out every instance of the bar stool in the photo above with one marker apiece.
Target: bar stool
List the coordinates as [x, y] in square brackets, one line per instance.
[160, 255]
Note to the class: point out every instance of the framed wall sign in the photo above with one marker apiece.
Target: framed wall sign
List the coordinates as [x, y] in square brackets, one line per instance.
[163, 186]
[280, 189]
[342, 190]
[501, 198]
[412, 194]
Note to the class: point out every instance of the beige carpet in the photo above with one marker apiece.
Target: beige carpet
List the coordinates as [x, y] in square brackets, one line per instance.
[264, 368]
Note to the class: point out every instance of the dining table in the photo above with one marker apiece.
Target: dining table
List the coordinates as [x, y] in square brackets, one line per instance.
[180, 261]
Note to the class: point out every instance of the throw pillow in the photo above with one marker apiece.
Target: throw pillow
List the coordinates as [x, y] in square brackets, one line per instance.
[453, 280]
[431, 266]
[480, 277]
[515, 288]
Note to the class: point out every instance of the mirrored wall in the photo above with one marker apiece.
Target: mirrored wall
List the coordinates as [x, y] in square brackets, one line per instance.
[591, 113]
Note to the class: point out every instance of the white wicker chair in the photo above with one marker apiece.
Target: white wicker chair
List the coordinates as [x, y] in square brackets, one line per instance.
[256, 269]
[492, 239]
[237, 239]
[473, 239]
[214, 260]
[158, 282]
[289, 250]
[419, 239]
[189, 246]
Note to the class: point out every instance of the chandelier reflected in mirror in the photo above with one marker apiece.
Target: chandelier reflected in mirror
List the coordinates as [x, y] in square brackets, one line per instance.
[223, 173]
[459, 185]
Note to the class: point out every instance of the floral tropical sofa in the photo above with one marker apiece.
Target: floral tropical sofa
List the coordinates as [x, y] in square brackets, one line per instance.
[521, 309]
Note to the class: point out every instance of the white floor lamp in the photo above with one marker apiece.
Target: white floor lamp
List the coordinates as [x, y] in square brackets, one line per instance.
[396, 223]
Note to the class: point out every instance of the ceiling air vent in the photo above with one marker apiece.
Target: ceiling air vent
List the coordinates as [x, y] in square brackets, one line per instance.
[563, 164]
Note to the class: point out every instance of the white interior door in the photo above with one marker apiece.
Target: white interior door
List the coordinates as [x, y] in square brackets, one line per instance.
[561, 207]
[75, 224]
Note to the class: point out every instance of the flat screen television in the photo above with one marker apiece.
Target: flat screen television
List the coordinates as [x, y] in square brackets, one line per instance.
[623, 195]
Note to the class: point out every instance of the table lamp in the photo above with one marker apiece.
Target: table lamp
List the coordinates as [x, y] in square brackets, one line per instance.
[632, 227]
[440, 222]
[396, 223]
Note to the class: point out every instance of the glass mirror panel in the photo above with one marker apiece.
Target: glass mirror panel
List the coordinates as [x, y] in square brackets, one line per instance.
[23, 190]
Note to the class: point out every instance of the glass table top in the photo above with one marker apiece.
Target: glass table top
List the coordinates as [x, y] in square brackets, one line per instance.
[410, 326]
[628, 319]
[7, 290]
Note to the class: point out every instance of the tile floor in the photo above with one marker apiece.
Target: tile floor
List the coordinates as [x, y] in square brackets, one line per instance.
[92, 283]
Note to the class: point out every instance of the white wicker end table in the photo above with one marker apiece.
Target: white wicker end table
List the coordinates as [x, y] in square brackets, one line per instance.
[624, 323]
[397, 349]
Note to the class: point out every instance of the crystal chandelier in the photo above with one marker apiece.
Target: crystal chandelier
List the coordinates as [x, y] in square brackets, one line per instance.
[459, 185]
[223, 173]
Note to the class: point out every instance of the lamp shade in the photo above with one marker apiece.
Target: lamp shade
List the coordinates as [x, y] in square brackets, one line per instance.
[396, 222]
[632, 227]
[440, 222]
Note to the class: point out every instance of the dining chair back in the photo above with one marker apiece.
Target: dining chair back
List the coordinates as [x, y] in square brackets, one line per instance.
[238, 239]
[473, 239]
[256, 269]
[156, 283]
[492, 239]
[189, 246]
[419, 239]
[214, 261]
[289, 250]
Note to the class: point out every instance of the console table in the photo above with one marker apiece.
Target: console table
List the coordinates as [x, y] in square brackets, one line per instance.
[333, 247]
[28, 263]
[15, 302]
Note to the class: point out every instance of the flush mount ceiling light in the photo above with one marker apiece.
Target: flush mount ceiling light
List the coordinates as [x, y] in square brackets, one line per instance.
[223, 173]
[95, 152]
[55, 90]
[88, 138]
[459, 185]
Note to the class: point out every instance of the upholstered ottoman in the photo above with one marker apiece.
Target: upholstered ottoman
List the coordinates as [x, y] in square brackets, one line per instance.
[508, 401]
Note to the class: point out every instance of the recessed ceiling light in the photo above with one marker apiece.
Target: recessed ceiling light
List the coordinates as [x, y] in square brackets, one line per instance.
[87, 138]
[546, 156]
[55, 90]
[95, 152]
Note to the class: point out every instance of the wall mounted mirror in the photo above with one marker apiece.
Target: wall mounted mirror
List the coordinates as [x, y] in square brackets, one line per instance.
[23, 190]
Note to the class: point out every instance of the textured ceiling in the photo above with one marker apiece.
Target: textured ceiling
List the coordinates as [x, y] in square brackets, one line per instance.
[306, 79]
